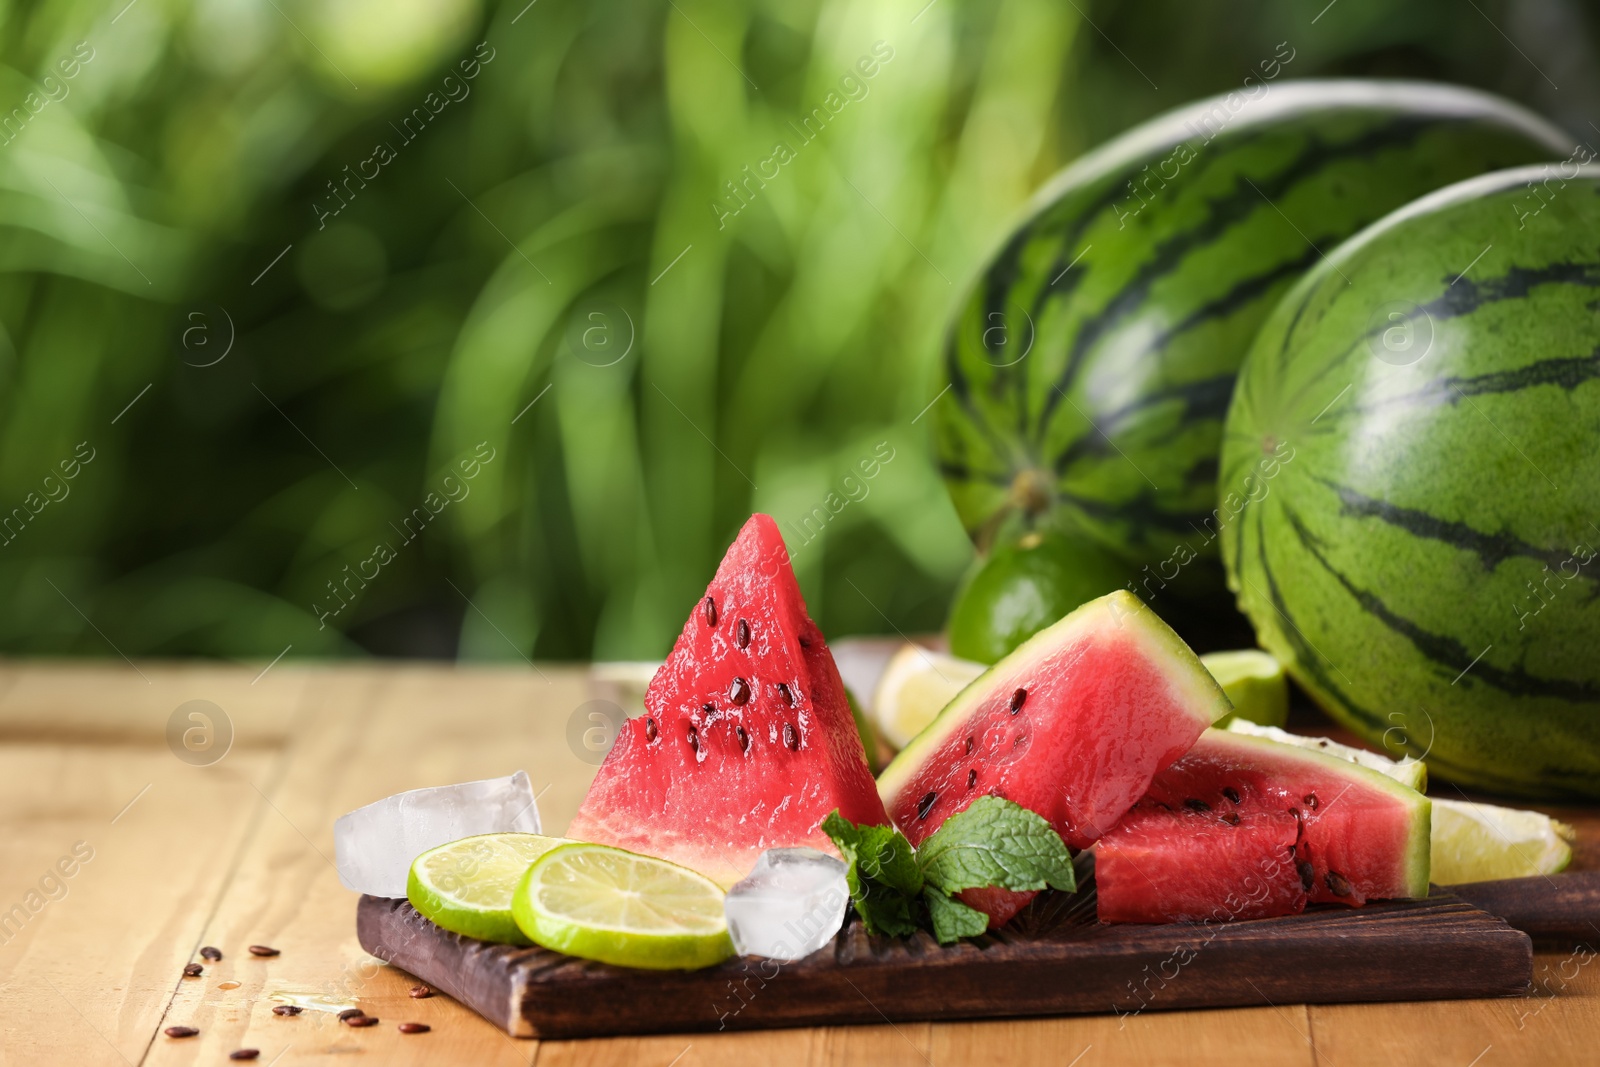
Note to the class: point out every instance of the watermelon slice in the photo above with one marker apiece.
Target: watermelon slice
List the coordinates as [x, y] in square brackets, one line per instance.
[1073, 725]
[747, 740]
[1242, 827]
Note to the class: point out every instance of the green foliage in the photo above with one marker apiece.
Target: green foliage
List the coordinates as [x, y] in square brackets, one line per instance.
[213, 174]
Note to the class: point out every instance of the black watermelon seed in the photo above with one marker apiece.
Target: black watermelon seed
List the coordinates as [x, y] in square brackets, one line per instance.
[694, 739]
[362, 1020]
[791, 739]
[350, 1013]
[1308, 876]
[741, 634]
[180, 1031]
[244, 1054]
[1337, 883]
[711, 612]
[1311, 801]
[783, 691]
[739, 692]
[192, 970]
[1017, 700]
[1231, 818]
[805, 642]
[263, 950]
[649, 728]
[925, 805]
[420, 992]
[209, 953]
[287, 1009]
[414, 1028]
[1195, 804]
[969, 746]
[1231, 793]
[744, 739]
[972, 778]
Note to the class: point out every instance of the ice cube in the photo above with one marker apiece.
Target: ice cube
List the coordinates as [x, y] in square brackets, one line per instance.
[790, 904]
[373, 846]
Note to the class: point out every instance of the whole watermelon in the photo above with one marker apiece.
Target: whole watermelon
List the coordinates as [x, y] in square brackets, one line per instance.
[1090, 366]
[1412, 473]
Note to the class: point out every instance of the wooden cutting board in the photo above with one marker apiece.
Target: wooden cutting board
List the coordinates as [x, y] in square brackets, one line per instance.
[1053, 959]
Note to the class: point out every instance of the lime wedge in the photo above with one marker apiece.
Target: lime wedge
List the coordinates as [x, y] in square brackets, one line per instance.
[466, 886]
[915, 687]
[605, 904]
[1255, 683]
[1408, 771]
[1481, 842]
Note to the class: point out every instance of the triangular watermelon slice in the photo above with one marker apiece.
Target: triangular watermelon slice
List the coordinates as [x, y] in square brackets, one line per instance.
[1073, 724]
[747, 741]
[1243, 828]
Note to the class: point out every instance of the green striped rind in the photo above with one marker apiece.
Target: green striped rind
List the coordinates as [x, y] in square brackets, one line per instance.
[1135, 321]
[1197, 691]
[1388, 563]
[1416, 856]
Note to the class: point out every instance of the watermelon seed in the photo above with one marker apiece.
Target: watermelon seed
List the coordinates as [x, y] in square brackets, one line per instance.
[650, 732]
[1308, 876]
[739, 692]
[791, 740]
[788, 697]
[1231, 793]
[1338, 885]
[711, 612]
[741, 633]
[1231, 818]
[1017, 699]
[744, 739]
[925, 805]
[969, 746]
[694, 739]
[972, 778]
[1195, 804]
[1311, 801]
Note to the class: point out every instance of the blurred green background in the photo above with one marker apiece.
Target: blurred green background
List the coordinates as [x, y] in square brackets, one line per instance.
[275, 340]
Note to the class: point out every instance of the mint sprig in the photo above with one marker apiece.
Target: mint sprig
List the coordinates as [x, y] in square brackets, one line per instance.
[897, 889]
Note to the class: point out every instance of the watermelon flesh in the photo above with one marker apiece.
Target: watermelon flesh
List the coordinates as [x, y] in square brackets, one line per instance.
[1244, 828]
[1074, 724]
[747, 740]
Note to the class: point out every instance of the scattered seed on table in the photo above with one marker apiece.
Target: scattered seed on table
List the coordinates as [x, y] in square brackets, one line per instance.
[350, 1013]
[192, 970]
[181, 1031]
[287, 1009]
[263, 950]
[244, 1054]
[362, 1020]
[210, 953]
[414, 1028]
[420, 991]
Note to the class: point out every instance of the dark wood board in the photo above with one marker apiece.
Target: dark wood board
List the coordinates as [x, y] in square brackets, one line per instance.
[1054, 959]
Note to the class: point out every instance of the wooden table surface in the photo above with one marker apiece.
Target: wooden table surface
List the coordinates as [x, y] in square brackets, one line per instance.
[166, 856]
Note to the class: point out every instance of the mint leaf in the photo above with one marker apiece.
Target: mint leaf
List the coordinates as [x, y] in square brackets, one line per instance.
[882, 873]
[952, 920]
[995, 842]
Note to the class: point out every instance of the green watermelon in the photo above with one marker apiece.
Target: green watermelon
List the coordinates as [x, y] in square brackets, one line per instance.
[747, 740]
[1072, 725]
[1418, 424]
[1091, 365]
[1244, 828]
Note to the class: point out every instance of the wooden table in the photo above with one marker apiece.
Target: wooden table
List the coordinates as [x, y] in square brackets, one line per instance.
[240, 852]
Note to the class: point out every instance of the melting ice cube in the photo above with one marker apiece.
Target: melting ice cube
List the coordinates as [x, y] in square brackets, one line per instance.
[374, 846]
[789, 905]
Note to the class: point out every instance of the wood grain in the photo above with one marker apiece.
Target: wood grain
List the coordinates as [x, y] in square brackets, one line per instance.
[232, 854]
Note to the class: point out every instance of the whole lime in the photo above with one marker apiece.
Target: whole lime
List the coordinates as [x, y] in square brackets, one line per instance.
[1024, 586]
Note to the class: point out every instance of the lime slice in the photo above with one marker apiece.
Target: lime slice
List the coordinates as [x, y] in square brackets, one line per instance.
[1481, 842]
[1255, 683]
[605, 904]
[915, 687]
[466, 886]
[1408, 771]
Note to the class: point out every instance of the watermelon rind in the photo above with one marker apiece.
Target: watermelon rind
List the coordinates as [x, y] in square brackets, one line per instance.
[1091, 363]
[1422, 555]
[1408, 771]
[1194, 688]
